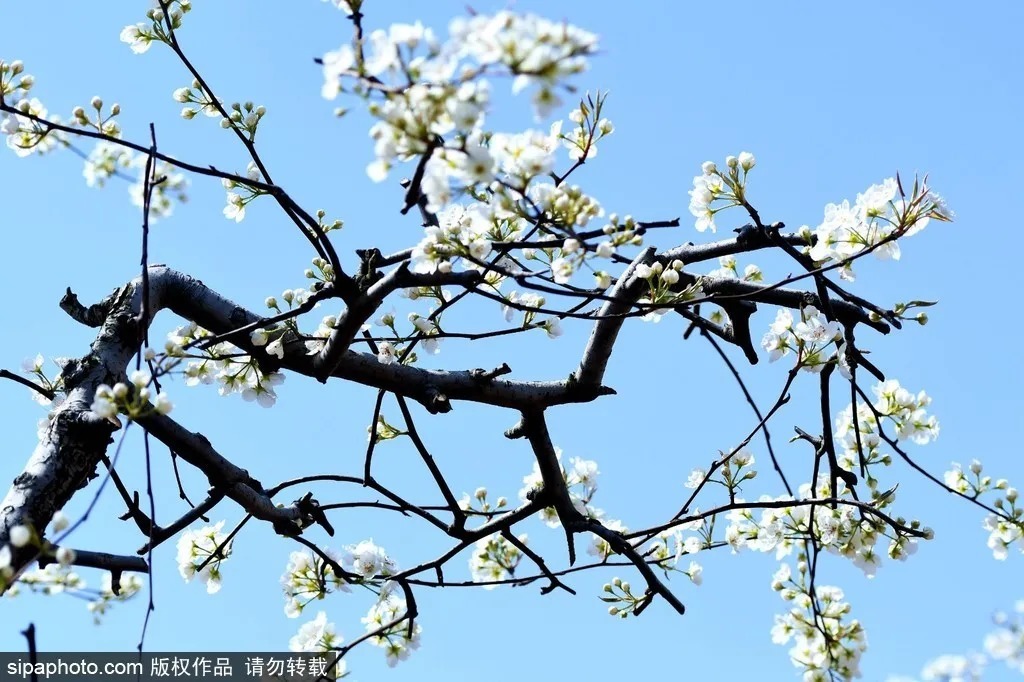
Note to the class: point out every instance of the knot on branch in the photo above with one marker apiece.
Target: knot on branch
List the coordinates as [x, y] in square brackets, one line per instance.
[484, 376]
[94, 315]
[310, 513]
[437, 402]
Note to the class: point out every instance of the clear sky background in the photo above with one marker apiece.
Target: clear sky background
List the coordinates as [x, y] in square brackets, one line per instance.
[830, 97]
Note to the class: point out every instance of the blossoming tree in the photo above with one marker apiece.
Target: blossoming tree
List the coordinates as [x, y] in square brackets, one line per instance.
[506, 234]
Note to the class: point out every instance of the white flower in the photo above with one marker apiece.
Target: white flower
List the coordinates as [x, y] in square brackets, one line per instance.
[315, 636]
[553, 326]
[369, 560]
[137, 37]
[695, 478]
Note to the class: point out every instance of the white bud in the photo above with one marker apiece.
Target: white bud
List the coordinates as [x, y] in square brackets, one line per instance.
[65, 556]
[96, 103]
[20, 536]
[60, 522]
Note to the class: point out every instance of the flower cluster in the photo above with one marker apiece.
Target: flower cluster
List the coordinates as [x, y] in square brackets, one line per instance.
[307, 578]
[479, 503]
[166, 186]
[843, 529]
[201, 552]
[460, 231]
[880, 215]
[825, 642]
[580, 479]
[711, 186]
[1005, 527]
[438, 91]
[494, 559]
[317, 636]
[129, 585]
[236, 201]
[581, 141]
[34, 368]
[624, 601]
[236, 372]
[133, 400]
[104, 161]
[139, 37]
[1006, 643]
[394, 632]
[809, 338]
[26, 134]
[664, 288]
[52, 579]
[861, 438]
[105, 125]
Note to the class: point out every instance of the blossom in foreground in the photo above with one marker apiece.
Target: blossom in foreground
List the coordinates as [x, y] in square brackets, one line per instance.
[201, 553]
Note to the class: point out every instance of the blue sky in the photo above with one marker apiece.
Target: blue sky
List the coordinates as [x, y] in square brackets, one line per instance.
[830, 98]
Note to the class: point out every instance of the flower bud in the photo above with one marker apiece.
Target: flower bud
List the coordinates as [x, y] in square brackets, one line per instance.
[225, 123]
[96, 103]
[65, 556]
[20, 536]
[60, 522]
[708, 167]
[747, 160]
[731, 161]
[78, 113]
[271, 302]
